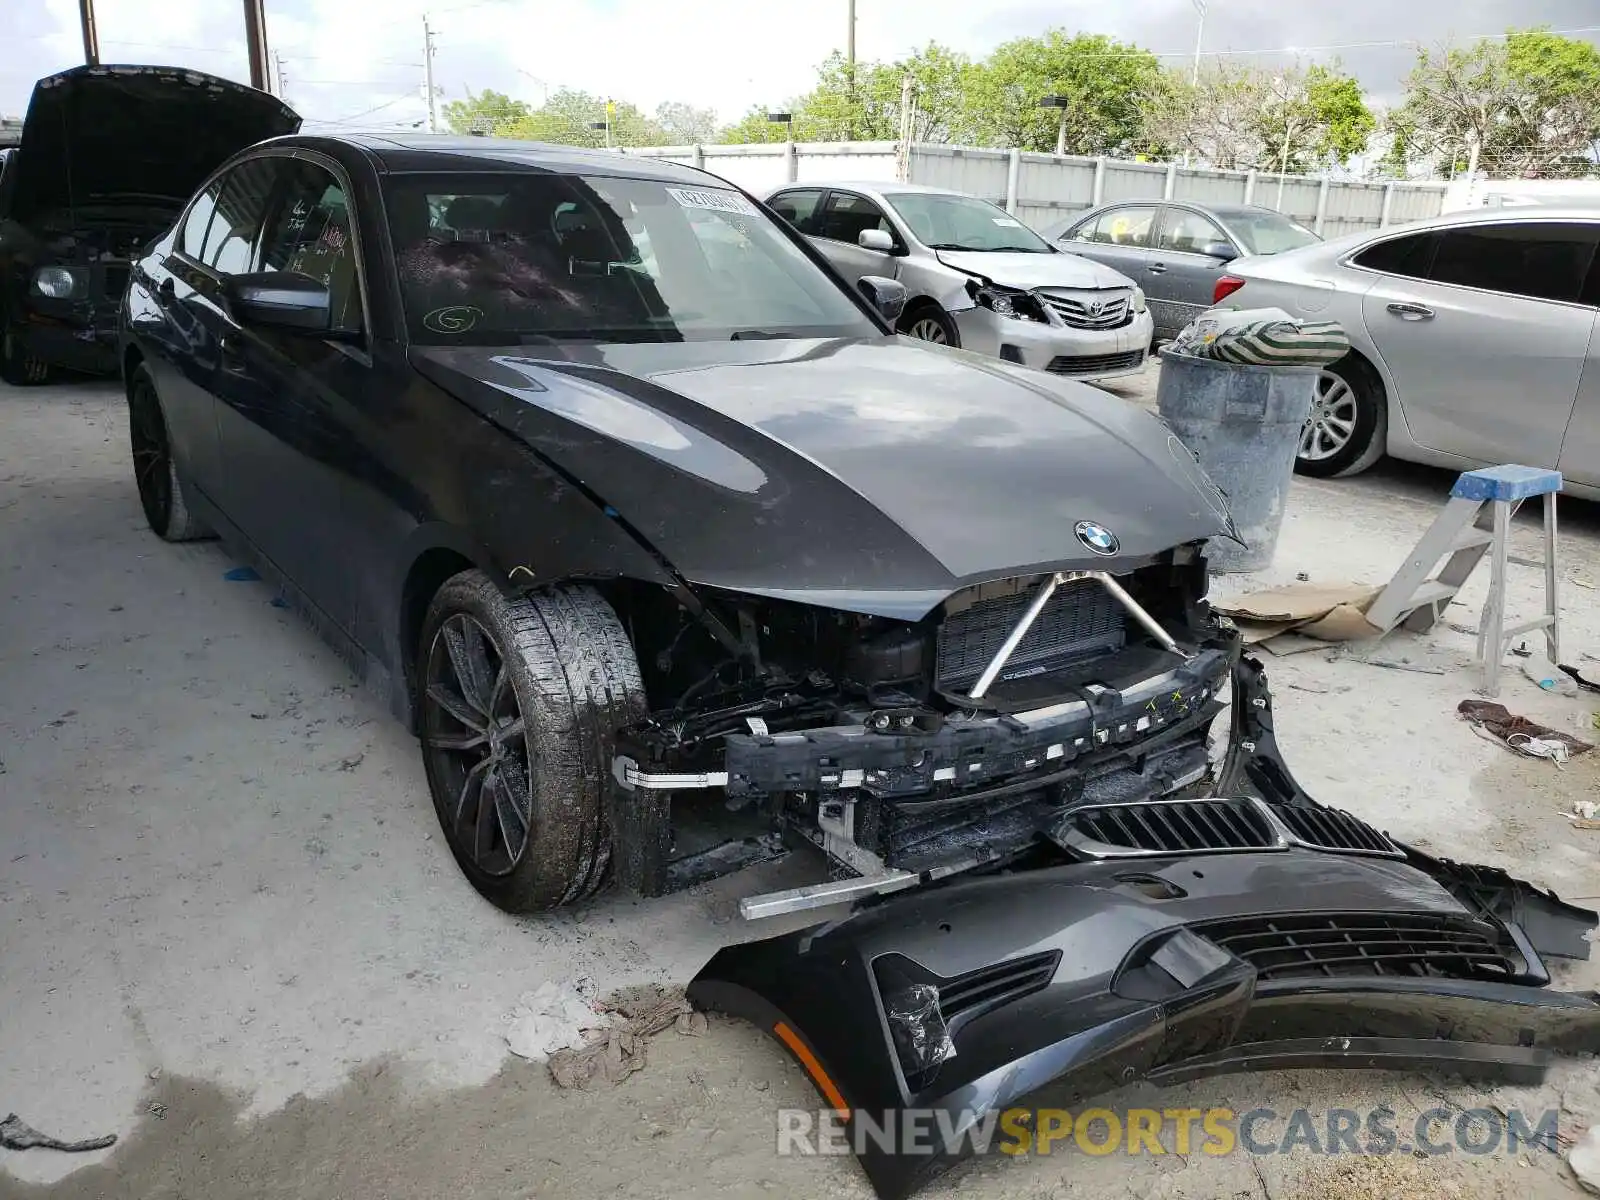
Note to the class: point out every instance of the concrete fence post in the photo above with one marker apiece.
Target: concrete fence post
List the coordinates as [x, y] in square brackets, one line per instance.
[699, 157]
[1388, 205]
[1013, 175]
[1250, 186]
[1172, 180]
[1098, 195]
[1322, 206]
[791, 152]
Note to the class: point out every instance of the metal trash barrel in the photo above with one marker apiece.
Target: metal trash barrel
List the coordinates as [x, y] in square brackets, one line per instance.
[1245, 424]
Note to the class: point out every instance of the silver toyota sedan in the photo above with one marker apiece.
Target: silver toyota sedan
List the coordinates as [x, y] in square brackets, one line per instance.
[977, 277]
[1473, 341]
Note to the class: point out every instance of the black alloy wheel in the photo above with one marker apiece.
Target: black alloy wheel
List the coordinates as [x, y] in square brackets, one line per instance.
[152, 455]
[475, 737]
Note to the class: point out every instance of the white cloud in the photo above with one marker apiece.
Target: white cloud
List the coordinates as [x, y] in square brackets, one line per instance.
[345, 57]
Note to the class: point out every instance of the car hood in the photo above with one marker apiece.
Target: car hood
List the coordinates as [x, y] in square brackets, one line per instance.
[108, 134]
[875, 475]
[1035, 270]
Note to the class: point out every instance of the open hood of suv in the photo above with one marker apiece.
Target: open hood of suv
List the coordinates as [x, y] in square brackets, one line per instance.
[110, 134]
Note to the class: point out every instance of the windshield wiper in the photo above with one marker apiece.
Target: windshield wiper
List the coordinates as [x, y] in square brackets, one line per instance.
[755, 335]
[949, 246]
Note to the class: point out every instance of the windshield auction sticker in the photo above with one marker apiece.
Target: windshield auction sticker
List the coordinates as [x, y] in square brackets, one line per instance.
[716, 201]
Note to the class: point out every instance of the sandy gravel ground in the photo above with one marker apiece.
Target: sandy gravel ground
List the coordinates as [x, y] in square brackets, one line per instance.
[230, 933]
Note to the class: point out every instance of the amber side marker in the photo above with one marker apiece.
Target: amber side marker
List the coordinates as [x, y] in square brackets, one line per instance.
[813, 1068]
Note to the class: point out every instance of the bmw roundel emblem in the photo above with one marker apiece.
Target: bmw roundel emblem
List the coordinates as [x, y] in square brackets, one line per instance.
[1097, 538]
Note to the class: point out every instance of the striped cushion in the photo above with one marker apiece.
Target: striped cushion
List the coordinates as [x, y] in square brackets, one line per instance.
[1276, 344]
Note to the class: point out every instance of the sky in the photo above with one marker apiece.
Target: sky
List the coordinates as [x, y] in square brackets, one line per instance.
[359, 62]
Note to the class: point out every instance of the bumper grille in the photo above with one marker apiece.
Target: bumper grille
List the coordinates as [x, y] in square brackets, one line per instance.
[987, 988]
[1333, 829]
[1081, 620]
[1091, 364]
[1289, 947]
[1199, 826]
[1177, 827]
[1089, 310]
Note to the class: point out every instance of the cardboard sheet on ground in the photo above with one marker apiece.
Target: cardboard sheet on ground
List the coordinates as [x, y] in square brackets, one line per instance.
[1326, 612]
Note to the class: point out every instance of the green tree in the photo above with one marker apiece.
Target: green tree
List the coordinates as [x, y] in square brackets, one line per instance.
[754, 127]
[570, 117]
[486, 112]
[1106, 83]
[1527, 106]
[685, 125]
[1241, 118]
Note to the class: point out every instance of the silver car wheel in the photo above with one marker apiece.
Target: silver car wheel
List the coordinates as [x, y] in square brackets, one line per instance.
[929, 329]
[1332, 421]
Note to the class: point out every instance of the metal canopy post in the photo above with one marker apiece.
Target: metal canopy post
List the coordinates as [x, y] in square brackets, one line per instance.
[255, 35]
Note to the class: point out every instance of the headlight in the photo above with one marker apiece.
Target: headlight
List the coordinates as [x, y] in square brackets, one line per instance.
[1020, 305]
[1138, 300]
[56, 282]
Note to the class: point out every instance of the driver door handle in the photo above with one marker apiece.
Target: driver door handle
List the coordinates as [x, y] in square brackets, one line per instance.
[1412, 312]
[1157, 268]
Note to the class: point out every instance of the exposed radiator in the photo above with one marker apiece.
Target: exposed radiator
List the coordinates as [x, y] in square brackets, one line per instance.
[1081, 620]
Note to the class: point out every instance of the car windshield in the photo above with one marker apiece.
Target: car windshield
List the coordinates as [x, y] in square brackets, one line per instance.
[946, 222]
[1269, 232]
[510, 259]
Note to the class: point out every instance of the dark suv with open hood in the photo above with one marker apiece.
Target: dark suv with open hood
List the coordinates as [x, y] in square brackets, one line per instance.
[108, 156]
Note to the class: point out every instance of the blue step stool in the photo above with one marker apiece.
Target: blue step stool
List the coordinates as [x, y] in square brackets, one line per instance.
[1477, 520]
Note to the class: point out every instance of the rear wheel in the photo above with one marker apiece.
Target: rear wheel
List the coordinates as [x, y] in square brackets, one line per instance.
[930, 323]
[520, 699]
[17, 366]
[162, 492]
[1348, 424]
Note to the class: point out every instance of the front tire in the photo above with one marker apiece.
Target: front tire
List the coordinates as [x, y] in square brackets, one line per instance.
[520, 700]
[162, 491]
[930, 323]
[18, 367]
[1348, 426]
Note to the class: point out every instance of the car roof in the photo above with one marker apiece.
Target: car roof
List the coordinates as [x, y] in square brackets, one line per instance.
[443, 152]
[878, 186]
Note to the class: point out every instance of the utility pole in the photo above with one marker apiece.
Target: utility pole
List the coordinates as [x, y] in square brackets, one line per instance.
[91, 35]
[850, 67]
[1194, 72]
[255, 36]
[1199, 37]
[427, 74]
[277, 72]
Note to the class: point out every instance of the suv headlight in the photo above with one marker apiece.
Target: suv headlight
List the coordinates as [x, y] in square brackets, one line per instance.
[1138, 299]
[59, 283]
[1024, 306]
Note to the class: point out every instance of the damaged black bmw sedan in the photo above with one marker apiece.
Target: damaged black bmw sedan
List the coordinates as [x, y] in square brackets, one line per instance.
[656, 533]
[677, 558]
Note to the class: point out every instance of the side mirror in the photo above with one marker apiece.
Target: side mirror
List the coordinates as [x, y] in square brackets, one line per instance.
[888, 296]
[1221, 251]
[875, 239]
[280, 300]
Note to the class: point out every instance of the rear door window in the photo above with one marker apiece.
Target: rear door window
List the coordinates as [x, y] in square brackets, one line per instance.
[1410, 257]
[1543, 260]
[192, 240]
[236, 223]
[1129, 226]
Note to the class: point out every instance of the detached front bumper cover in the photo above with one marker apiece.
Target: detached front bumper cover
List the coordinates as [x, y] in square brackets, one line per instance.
[968, 996]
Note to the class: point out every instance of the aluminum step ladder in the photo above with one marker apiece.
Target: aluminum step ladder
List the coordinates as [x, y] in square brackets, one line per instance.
[1477, 521]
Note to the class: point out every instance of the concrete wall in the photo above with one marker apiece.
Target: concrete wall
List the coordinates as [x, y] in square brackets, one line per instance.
[1044, 190]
